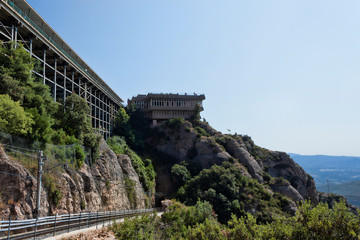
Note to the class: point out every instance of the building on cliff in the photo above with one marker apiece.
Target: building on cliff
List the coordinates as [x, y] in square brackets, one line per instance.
[59, 66]
[161, 107]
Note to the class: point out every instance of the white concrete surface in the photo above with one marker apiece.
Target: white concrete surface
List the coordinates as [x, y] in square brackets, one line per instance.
[83, 230]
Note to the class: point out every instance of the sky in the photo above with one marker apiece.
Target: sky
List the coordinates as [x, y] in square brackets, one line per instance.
[286, 73]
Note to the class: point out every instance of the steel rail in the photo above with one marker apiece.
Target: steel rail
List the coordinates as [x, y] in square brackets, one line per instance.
[34, 228]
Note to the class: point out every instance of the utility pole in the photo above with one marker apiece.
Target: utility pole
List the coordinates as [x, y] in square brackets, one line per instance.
[40, 172]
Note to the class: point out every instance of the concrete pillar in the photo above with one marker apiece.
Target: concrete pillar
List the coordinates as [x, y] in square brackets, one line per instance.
[103, 114]
[55, 67]
[90, 101]
[96, 122]
[108, 117]
[31, 47]
[72, 81]
[64, 93]
[12, 33]
[16, 33]
[85, 91]
[98, 109]
[44, 64]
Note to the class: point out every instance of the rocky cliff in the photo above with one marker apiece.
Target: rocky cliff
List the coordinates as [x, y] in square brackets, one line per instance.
[104, 186]
[112, 183]
[199, 143]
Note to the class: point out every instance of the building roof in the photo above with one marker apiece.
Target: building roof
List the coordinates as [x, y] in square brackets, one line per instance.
[169, 95]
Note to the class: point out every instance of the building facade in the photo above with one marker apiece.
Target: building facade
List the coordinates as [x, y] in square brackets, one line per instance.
[161, 107]
[59, 66]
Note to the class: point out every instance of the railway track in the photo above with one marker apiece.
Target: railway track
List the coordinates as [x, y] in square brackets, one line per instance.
[54, 225]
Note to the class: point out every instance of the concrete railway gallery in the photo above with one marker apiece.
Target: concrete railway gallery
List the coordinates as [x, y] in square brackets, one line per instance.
[59, 66]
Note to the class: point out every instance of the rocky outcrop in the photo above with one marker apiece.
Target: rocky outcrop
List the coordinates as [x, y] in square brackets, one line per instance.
[238, 150]
[178, 141]
[17, 189]
[208, 129]
[209, 153]
[288, 191]
[97, 188]
[331, 198]
[186, 143]
[281, 165]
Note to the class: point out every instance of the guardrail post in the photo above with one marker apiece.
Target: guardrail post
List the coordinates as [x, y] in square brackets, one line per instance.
[104, 219]
[97, 216]
[88, 219]
[55, 225]
[8, 237]
[80, 220]
[69, 223]
[35, 226]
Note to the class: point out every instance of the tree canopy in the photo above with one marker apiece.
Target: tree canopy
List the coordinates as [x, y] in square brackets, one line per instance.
[29, 110]
[13, 118]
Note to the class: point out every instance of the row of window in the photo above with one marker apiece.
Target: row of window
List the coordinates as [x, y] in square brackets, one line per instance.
[140, 104]
[172, 103]
[171, 113]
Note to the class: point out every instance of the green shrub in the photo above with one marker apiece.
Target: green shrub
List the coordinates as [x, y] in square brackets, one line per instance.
[209, 230]
[13, 118]
[146, 173]
[54, 194]
[79, 156]
[117, 144]
[279, 181]
[140, 228]
[220, 140]
[266, 176]
[107, 185]
[82, 205]
[130, 191]
[180, 174]
[175, 123]
[201, 131]
[182, 222]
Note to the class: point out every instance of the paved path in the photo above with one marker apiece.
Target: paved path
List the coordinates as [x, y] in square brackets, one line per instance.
[83, 230]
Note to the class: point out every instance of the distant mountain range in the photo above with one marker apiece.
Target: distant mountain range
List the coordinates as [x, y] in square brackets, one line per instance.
[336, 174]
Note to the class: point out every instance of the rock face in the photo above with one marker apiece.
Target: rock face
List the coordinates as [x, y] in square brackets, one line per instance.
[238, 150]
[186, 143]
[178, 141]
[288, 191]
[18, 190]
[209, 153]
[281, 165]
[331, 198]
[101, 187]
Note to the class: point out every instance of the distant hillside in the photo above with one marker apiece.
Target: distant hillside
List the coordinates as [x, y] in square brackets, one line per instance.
[342, 172]
[350, 190]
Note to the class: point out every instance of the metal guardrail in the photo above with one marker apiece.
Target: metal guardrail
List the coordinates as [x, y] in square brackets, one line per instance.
[51, 225]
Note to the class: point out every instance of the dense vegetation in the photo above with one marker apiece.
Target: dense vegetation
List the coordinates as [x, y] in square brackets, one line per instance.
[230, 192]
[199, 222]
[143, 167]
[130, 131]
[28, 110]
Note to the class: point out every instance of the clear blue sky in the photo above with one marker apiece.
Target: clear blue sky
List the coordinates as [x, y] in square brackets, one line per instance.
[286, 73]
